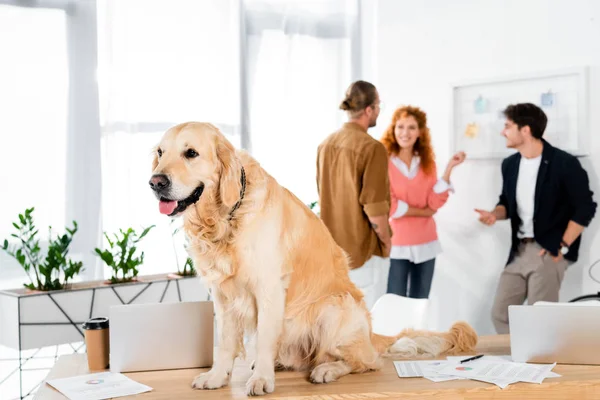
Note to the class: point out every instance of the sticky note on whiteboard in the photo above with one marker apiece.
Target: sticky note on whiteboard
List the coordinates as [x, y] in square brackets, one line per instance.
[472, 130]
[547, 99]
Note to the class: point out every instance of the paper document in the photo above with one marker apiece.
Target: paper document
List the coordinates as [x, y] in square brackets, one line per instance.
[411, 369]
[104, 385]
[506, 358]
[425, 368]
[498, 370]
[505, 371]
[442, 378]
[501, 383]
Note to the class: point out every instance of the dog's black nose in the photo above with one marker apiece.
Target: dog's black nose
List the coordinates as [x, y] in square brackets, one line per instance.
[159, 182]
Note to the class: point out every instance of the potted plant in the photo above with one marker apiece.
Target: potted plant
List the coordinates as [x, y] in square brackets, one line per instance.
[121, 254]
[188, 268]
[51, 272]
[28, 313]
[45, 314]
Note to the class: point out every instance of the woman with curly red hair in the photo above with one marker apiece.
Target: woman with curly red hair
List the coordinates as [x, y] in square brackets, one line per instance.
[416, 195]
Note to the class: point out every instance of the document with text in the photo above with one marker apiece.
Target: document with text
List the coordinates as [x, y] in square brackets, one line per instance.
[100, 386]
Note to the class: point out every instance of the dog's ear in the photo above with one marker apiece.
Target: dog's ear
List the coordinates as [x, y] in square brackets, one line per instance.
[229, 182]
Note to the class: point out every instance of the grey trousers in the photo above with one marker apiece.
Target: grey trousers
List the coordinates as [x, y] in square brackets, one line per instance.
[529, 276]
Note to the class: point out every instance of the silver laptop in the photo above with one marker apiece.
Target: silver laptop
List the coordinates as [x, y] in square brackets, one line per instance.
[558, 332]
[150, 337]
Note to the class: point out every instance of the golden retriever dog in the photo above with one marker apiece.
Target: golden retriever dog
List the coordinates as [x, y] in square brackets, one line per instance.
[273, 269]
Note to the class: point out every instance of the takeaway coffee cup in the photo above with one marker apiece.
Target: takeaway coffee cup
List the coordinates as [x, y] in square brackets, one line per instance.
[97, 343]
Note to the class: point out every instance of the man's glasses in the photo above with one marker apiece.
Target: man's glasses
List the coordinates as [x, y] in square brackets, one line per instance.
[381, 105]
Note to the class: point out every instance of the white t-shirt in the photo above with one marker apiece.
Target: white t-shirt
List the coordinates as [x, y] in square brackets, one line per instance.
[528, 173]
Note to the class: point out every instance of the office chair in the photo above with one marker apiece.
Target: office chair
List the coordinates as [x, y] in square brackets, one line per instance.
[589, 297]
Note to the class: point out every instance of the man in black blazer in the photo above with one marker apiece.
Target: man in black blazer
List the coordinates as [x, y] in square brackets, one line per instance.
[546, 195]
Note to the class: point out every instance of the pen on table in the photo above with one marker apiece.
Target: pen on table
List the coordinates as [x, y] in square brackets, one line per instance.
[471, 359]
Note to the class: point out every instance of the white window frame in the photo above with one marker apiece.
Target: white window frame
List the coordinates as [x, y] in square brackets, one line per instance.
[84, 132]
[83, 200]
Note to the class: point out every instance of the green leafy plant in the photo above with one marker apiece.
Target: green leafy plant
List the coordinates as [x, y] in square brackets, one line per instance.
[121, 256]
[47, 272]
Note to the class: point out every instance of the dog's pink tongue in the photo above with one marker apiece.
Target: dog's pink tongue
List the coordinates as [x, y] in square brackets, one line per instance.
[167, 207]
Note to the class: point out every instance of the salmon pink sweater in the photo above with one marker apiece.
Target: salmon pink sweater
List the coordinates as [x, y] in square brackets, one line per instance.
[417, 192]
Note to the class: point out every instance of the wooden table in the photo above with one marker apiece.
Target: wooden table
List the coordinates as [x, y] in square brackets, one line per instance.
[577, 382]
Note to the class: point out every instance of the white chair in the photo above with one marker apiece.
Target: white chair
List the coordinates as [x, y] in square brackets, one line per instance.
[392, 313]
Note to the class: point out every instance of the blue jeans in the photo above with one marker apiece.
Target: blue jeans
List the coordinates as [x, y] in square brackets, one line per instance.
[420, 277]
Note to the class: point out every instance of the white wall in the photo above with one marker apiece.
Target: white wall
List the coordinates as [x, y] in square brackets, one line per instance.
[368, 34]
[423, 47]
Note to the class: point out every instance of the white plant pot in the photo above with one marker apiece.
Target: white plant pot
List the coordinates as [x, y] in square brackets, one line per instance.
[30, 320]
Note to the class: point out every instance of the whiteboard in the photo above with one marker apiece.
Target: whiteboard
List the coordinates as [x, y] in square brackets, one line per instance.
[477, 119]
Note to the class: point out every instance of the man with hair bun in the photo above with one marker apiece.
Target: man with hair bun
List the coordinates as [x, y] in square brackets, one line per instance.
[354, 192]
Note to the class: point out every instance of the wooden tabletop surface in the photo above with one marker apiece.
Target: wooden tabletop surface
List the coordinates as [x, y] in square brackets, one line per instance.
[577, 382]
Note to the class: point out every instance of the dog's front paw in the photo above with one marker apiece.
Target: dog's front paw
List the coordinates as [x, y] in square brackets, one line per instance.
[325, 373]
[322, 375]
[258, 385]
[211, 380]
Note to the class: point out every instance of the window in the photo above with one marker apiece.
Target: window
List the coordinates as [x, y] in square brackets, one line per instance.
[299, 66]
[268, 73]
[160, 63]
[33, 126]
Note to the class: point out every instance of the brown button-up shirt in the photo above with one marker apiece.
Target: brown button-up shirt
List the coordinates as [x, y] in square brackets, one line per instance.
[353, 184]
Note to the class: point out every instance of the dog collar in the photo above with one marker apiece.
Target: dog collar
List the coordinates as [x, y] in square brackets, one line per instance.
[242, 193]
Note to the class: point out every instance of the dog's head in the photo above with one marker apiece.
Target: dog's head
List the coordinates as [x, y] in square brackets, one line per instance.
[192, 159]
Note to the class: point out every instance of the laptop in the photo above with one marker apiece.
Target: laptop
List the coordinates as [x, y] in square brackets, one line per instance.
[151, 337]
[565, 333]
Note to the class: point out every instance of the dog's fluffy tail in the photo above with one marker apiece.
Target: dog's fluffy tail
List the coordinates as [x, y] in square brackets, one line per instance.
[409, 343]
